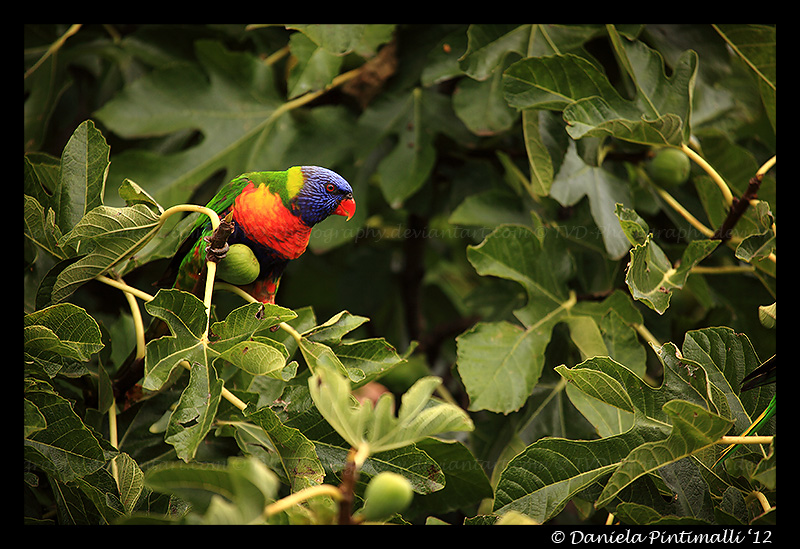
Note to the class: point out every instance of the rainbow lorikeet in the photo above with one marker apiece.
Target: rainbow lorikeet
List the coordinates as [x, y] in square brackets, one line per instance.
[273, 214]
[766, 373]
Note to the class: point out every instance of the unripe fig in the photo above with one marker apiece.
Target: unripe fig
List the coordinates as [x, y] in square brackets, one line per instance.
[669, 167]
[386, 494]
[239, 266]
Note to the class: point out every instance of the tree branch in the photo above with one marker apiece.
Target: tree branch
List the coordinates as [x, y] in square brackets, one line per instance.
[737, 209]
[347, 488]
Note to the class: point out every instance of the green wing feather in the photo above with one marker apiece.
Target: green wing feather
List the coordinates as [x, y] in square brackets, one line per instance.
[225, 197]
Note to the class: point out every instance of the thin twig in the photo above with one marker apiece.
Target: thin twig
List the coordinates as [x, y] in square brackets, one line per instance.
[54, 47]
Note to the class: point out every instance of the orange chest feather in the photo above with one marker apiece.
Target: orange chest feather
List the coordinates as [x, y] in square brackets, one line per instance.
[264, 219]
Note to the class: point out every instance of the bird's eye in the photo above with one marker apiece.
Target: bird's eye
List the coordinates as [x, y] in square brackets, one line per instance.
[330, 187]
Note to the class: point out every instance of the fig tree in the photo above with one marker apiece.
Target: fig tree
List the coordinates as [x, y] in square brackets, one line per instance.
[386, 494]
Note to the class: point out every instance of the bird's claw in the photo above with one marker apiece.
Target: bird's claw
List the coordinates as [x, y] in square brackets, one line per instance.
[216, 254]
[218, 247]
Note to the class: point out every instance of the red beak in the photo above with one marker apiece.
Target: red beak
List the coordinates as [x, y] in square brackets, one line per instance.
[347, 208]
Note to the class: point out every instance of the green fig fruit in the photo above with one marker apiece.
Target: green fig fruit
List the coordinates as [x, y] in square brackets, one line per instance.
[239, 266]
[386, 494]
[669, 167]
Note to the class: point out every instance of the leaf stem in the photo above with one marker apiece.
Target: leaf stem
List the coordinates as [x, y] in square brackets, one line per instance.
[767, 166]
[138, 325]
[291, 331]
[301, 496]
[54, 47]
[310, 96]
[655, 344]
[210, 265]
[190, 208]
[361, 455]
[760, 174]
[555, 391]
[233, 399]
[226, 394]
[723, 269]
[762, 499]
[112, 435]
[445, 395]
[700, 161]
[647, 335]
[119, 284]
[678, 207]
[745, 440]
[211, 272]
[124, 287]
[278, 55]
[219, 285]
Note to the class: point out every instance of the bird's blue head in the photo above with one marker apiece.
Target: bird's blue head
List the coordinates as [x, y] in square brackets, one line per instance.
[324, 192]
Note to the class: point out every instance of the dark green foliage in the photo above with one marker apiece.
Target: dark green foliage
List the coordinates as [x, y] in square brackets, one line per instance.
[589, 336]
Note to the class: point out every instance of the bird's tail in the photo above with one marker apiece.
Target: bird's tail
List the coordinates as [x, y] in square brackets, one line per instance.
[759, 422]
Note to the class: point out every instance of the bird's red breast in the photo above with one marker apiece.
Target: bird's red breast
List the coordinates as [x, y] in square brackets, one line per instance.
[264, 219]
